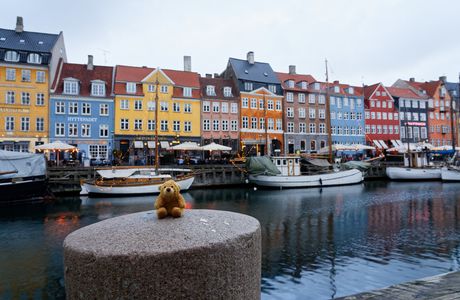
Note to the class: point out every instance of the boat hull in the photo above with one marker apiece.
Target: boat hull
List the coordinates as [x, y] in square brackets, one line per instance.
[401, 173]
[24, 191]
[304, 181]
[91, 188]
[448, 174]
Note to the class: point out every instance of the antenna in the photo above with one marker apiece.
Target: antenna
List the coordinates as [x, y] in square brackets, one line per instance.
[104, 52]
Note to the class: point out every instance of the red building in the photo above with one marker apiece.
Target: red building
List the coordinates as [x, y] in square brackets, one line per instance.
[381, 116]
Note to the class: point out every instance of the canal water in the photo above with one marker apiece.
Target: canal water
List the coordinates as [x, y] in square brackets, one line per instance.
[317, 243]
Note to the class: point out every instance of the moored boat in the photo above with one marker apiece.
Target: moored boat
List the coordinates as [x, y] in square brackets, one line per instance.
[406, 173]
[450, 173]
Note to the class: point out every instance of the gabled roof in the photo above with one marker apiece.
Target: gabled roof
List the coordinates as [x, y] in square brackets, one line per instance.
[369, 90]
[430, 87]
[258, 72]
[297, 78]
[32, 41]
[219, 84]
[404, 93]
[85, 77]
[453, 86]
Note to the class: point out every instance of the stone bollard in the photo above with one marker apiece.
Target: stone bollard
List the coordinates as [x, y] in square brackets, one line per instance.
[205, 254]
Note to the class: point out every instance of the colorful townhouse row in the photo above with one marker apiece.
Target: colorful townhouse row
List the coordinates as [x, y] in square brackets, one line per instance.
[248, 106]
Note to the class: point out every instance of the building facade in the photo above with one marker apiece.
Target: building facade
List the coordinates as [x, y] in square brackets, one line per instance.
[299, 134]
[261, 105]
[219, 112]
[82, 110]
[413, 112]
[381, 117]
[28, 62]
[347, 114]
[137, 90]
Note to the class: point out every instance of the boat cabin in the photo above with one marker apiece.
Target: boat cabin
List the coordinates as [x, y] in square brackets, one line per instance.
[415, 159]
[288, 166]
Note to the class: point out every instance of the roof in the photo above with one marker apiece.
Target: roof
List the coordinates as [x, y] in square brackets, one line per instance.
[453, 86]
[430, 87]
[219, 84]
[369, 90]
[136, 74]
[404, 93]
[258, 72]
[85, 76]
[283, 77]
[32, 41]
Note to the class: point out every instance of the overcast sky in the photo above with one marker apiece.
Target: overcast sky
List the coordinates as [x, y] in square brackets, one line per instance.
[365, 41]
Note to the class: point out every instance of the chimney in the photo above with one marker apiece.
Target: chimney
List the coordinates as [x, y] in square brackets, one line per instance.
[187, 63]
[250, 57]
[336, 82]
[412, 79]
[19, 25]
[90, 65]
[292, 69]
[443, 79]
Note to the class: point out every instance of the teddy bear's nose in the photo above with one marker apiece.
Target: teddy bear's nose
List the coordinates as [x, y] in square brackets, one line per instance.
[168, 190]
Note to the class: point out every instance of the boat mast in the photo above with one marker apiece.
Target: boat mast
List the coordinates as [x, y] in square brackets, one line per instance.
[156, 124]
[407, 132]
[328, 116]
[453, 124]
[265, 125]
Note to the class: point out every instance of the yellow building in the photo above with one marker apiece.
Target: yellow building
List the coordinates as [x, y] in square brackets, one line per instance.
[135, 104]
[28, 62]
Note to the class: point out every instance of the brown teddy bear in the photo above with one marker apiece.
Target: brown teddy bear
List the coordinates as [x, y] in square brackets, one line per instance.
[170, 201]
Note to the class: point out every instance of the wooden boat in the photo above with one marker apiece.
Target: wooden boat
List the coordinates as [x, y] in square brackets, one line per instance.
[134, 181]
[289, 175]
[22, 177]
[406, 173]
[450, 173]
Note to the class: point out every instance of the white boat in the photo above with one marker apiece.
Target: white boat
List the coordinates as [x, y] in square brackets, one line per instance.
[290, 177]
[134, 181]
[406, 173]
[450, 173]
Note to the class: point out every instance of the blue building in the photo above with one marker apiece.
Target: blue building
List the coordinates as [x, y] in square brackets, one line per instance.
[347, 114]
[82, 110]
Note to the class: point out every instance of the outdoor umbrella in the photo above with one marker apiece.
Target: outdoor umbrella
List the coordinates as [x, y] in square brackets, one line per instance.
[56, 146]
[215, 147]
[186, 146]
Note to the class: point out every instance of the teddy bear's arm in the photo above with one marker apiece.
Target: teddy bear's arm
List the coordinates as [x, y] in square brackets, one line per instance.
[158, 203]
[181, 201]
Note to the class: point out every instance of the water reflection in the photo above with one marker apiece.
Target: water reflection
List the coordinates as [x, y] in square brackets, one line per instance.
[317, 243]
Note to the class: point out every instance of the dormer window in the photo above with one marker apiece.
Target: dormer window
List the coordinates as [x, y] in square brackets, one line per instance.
[71, 86]
[98, 88]
[290, 84]
[248, 86]
[272, 88]
[34, 58]
[351, 91]
[227, 91]
[131, 87]
[12, 56]
[210, 90]
[316, 86]
[187, 92]
[336, 89]
[304, 85]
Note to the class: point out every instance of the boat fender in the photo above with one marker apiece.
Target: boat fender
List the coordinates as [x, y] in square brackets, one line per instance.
[320, 181]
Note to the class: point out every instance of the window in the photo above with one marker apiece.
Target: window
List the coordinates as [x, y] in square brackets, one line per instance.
[374, 129]
[225, 107]
[10, 97]
[85, 130]
[188, 126]
[210, 90]
[311, 99]
[124, 124]
[25, 98]
[379, 115]
[289, 97]
[60, 108]
[227, 91]
[345, 115]
[422, 104]
[164, 125]
[384, 116]
[301, 112]
[73, 129]
[98, 151]
[86, 109]
[372, 103]
[234, 108]
[25, 123]
[224, 125]
[367, 115]
[278, 105]
[390, 116]
[215, 125]
[333, 115]
[248, 86]
[313, 145]
[279, 124]
[73, 108]
[415, 116]
[368, 129]
[322, 113]
[423, 133]
[34, 58]
[261, 104]
[245, 122]
[379, 129]
[395, 116]
[176, 126]
[303, 85]
[290, 127]
[312, 128]
[151, 88]
[384, 104]
[301, 98]
[290, 112]
[359, 102]
[25, 75]
[103, 109]
[322, 128]
[216, 107]
[137, 104]
[40, 124]
[131, 87]
[336, 89]
[253, 103]
[137, 124]
[312, 113]
[98, 89]
[187, 108]
[59, 129]
[40, 99]
[176, 107]
[71, 87]
[390, 129]
[339, 102]
[270, 104]
[339, 116]
[40, 76]
[385, 129]
[206, 125]
[187, 92]
[261, 123]
[254, 123]
[12, 56]
[234, 125]
[150, 125]
[206, 106]
[163, 106]
[302, 128]
[422, 116]
[345, 101]
[11, 74]
[270, 124]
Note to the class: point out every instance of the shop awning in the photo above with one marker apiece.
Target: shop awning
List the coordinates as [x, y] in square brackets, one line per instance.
[151, 144]
[138, 144]
[377, 144]
[164, 144]
[383, 144]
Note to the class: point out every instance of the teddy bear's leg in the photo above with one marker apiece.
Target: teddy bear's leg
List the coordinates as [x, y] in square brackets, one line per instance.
[162, 212]
[176, 212]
